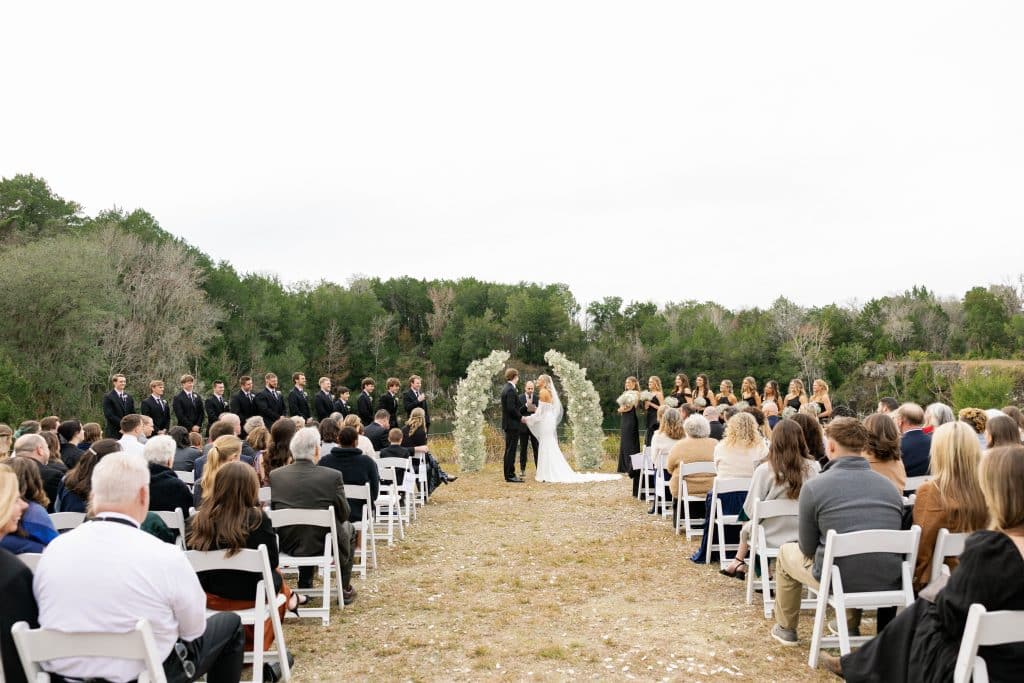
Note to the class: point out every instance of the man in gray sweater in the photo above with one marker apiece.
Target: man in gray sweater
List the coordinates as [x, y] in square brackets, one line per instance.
[846, 496]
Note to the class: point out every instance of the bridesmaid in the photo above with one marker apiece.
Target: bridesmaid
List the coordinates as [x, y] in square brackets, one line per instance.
[819, 395]
[796, 396]
[629, 428]
[652, 405]
[681, 391]
[725, 395]
[703, 390]
[748, 392]
[771, 393]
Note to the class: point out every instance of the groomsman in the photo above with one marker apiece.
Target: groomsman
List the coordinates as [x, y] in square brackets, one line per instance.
[323, 402]
[269, 402]
[215, 404]
[116, 405]
[389, 401]
[341, 405]
[527, 406]
[298, 402]
[364, 404]
[415, 398]
[243, 404]
[156, 407]
[188, 406]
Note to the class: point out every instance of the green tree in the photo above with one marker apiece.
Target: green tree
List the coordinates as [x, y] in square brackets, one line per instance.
[29, 209]
[985, 324]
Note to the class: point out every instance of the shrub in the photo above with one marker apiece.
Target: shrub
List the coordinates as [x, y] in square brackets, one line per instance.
[983, 390]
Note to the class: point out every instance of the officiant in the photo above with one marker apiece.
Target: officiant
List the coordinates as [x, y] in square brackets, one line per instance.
[527, 406]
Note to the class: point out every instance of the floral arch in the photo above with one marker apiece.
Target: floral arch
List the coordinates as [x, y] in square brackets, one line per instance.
[582, 407]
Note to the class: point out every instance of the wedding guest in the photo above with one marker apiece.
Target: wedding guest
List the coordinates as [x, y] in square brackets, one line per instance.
[702, 390]
[167, 492]
[277, 453]
[269, 402]
[252, 424]
[936, 415]
[651, 405]
[155, 407]
[377, 431]
[15, 578]
[34, 447]
[813, 435]
[71, 435]
[717, 428]
[195, 441]
[329, 431]
[364, 404]
[796, 397]
[1001, 430]
[978, 420]
[681, 391]
[771, 413]
[227, 425]
[748, 392]
[414, 437]
[1017, 416]
[93, 433]
[298, 402]
[742, 447]
[226, 449]
[820, 397]
[923, 641]
[215, 404]
[185, 454]
[670, 432]
[695, 446]
[73, 492]
[389, 401]
[887, 404]
[914, 443]
[363, 444]
[6, 440]
[147, 429]
[629, 427]
[27, 427]
[35, 530]
[415, 398]
[789, 464]
[131, 433]
[356, 468]
[883, 449]
[259, 441]
[395, 449]
[188, 406]
[725, 396]
[762, 423]
[49, 424]
[116, 405]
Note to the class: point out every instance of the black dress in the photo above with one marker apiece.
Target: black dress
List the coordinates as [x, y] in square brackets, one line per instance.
[651, 424]
[724, 398]
[629, 439]
[435, 475]
[17, 605]
[989, 573]
[794, 403]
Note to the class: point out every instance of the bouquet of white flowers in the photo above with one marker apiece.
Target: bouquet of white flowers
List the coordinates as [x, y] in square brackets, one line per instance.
[700, 402]
[672, 402]
[646, 395]
[628, 399]
[789, 411]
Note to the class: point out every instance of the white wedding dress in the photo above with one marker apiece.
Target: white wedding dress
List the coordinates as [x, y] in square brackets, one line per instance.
[551, 464]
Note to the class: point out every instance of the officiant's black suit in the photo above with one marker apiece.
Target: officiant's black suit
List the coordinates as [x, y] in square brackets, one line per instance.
[511, 419]
[526, 437]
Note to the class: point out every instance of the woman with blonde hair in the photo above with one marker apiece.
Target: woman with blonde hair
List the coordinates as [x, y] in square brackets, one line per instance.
[796, 396]
[629, 424]
[414, 437]
[652, 404]
[748, 392]
[883, 449]
[725, 395]
[363, 443]
[15, 577]
[6, 440]
[259, 440]
[670, 431]
[741, 448]
[819, 396]
[225, 449]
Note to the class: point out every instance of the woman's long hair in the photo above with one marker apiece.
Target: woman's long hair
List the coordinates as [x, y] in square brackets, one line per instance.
[1002, 430]
[813, 435]
[656, 381]
[684, 383]
[1002, 480]
[278, 453]
[883, 437]
[417, 419]
[30, 483]
[776, 396]
[706, 393]
[749, 386]
[79, 480]
[225, 449]
[955, 455]
[789, 457]
[229, 513]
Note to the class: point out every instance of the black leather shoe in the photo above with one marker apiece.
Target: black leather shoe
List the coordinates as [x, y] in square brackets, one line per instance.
[450, 479]
[515, 480]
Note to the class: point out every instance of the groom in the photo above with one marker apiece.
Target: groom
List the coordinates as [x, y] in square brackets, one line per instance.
[510, 421]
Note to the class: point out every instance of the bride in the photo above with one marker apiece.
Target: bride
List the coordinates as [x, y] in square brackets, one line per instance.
[551, 464]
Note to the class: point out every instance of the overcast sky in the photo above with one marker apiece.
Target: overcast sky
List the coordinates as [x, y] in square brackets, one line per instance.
[663, 151]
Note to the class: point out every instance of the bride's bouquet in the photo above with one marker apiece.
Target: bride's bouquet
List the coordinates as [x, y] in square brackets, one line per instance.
[628, 399]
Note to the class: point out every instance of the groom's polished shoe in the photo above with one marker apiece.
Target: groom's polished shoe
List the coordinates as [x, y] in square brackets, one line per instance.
[515, 480]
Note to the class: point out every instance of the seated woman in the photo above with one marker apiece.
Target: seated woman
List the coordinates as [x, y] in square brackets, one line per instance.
[185, 453]
[782, 475]
[922, 642]
[695, 446]
[741, 449]
[883, 449]
[762, 423]
[259, 440]
[670, 432]
[277, 453]
[225, 449]
[1001, 430]
[814, 436]
[414, 436]
[952, 498]
[35, 531]
[978, 420]
[18, 603]
[74, 489]
[936, 415]
[232, 520]
[363, 443]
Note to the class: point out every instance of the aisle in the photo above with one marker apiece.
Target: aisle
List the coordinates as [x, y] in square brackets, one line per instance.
[545, 582]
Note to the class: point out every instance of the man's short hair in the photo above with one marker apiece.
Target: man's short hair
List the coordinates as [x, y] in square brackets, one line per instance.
[186, 378]
[269, 376]
[367, 381]
[321, 381]
[413, 378]
[49, 423]
[511, 374]
[146, 419]
[156, 383]
[114, 378]
[218, 381]
[297, 375]
[118, 478]
[159, 449]
[244, 379]
[130, 422]
[221, 428]
[344, 390]
[393, 382]
[348, 437]
[68, 429]
[382, 415]
[912, 413]
[848, 432]
[28, 443]
[230, 418]
[395, 435]
[889, 402]
[304, 444]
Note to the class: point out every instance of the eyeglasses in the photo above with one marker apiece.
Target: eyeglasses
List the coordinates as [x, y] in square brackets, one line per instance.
[187, 666]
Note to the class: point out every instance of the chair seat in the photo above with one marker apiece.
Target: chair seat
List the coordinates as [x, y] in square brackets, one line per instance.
[294, 561]
[248, 616]
[871, 600]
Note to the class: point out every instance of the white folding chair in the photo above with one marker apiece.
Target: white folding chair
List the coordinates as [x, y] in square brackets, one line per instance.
[31, 560]
[37, 645]
[174, 520]
[947, 544]
[830, 591]
[63, 521]
[389, 503]
[914, 483]
[187, 477]
[761, 552]
[264, 495]
[683, 497]
[642, 461]
[718, 520]
[985, 628]
[367, 539]
[324, 519]
[266, 602]
[660, 484]
[421, 478]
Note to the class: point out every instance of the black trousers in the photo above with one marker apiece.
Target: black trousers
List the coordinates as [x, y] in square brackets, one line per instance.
[217, 653]
[511, 441]
[526, 439]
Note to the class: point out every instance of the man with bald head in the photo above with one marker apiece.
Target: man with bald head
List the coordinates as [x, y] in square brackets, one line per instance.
[915, 445]
[33, 447]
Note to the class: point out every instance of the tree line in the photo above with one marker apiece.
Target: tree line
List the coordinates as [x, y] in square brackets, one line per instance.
[83, 297]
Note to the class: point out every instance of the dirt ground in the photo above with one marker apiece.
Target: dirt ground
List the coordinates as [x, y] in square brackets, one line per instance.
[543, 582]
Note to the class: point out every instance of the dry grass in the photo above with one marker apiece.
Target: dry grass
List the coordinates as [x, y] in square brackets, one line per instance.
[543, 582]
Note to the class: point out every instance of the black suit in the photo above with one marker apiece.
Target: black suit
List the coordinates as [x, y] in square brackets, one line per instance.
[323, 405]
[915, 450]
[409, 402]
[389, 403]
[188, 412]
[269, 406]
[357, 469]
[298, 404]
[364, 408]
[342, 407]
[215, 405]
[160, 411]
[526, 437]
[511, 419]
[113, 410]
[51, 475]
[244, 406]
[377, 435]
[717, 430]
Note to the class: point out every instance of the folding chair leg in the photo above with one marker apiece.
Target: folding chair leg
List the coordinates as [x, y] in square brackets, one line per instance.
[819, 624]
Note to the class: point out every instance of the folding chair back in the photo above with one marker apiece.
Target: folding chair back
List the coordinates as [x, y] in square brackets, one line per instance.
[914, 483]
[947, 544]
[174, 520]
[187, 477]
[30, 560]
[985, 628]
[388, 506]
[692, 526]
[41, 645]
[325, 520]
[63, 521]
[761, 552]
[646, 468]
[717, 520]
[660, 484]
[264, 494]
[367, 536]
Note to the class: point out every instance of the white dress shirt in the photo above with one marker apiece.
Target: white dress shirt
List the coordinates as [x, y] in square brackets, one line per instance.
[104, 577]
[131, 444]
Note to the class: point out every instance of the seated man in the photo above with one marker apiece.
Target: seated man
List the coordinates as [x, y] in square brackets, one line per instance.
[34, 447]
[356, 468]
[395, 449]
[302, 485]
[847, 496]
[167, 492]
[75, 591]
[377, 431]
[132, 429]
[915, 445]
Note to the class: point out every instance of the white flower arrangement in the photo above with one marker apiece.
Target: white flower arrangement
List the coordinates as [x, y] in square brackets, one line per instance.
[788, 412]
[628, 399]
[472, 396]
[646, 395]
[583, 408]
[700, 402]
[672, 402]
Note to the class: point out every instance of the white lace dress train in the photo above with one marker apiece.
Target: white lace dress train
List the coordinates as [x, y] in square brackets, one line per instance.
[551, 464]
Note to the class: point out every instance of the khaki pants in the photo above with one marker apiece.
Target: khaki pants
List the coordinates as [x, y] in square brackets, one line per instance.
[792, 573]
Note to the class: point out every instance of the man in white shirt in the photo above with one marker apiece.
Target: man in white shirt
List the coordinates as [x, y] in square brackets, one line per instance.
[105, 575]
[131, 430]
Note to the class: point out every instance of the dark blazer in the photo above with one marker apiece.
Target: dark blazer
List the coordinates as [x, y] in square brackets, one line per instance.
[377, 435]
[356, 468]
[70, 454]
[19, 605]
[214, 407]
[298, 403]
[323, 405]
[364, 408]
[269, 406]
[717, 430]
[342, 407]
[389, 403]
[511, 418]
[161, 414]
[52, 476]
[409, 401]
[524, 401]
[188, 413]
[243, 407]
[166, 491]
[305, 486]
[915, 449]
[114, 410]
